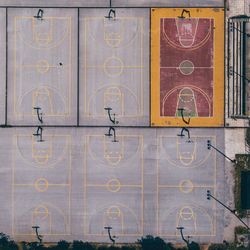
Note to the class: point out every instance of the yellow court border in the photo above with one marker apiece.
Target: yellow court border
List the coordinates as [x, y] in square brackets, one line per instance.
[217, 14]
[141, 67]
[87, 186]
[17, 67]
[160, 187]
[67, 185]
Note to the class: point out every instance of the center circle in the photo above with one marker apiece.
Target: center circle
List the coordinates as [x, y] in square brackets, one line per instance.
[113, 185]
[41, 185]
[186, 67]
[113, 66]
[186, 186]
[42, 66]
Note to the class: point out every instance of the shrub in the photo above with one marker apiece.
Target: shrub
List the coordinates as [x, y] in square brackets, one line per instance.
[24, 245]
[194, 246]
[12, 245]
[154, 243]
[79, 245]
[240, 230]
[217, 247]
[114, 248]
[102, 247]
[88, 246]
[128, 248]
[6, 243]
[34, 246]
[242, 164]
[62, 245]
[4, 240]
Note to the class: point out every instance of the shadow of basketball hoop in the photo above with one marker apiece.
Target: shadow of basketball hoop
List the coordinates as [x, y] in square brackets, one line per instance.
[50, 218]
[120, 217]
[123, 101]
[195, 219]
[52, 102]
[187, 97]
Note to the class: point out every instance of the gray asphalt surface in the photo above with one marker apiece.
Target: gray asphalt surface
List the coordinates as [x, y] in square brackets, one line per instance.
[77, 181]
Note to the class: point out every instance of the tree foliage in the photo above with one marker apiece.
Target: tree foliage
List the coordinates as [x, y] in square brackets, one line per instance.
[154, 243]
[6, 243]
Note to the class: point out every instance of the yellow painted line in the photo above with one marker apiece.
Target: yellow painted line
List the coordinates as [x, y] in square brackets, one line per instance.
[121, 185]
[87, 186]
[140, 91]
[115, 67]
[177, 186]
[117, 234]
[28, 184]
[68, 67]
[34, 66]
[45, 18]
[218, 64]
[187, 67]
[31, 234]
[193, 235]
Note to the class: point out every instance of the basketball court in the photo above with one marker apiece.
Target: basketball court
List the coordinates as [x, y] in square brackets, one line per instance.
[114, 61]
[191, 159]
[72, 74]
[77, 181]
[186, 66]
[42, 66]
[2, 66]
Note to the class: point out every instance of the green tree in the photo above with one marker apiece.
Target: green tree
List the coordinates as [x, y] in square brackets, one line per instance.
[6, 243]
[217, 247]
[79, 245]
[194, 246]
[128, 248]
[62, 245]
[154, 243]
